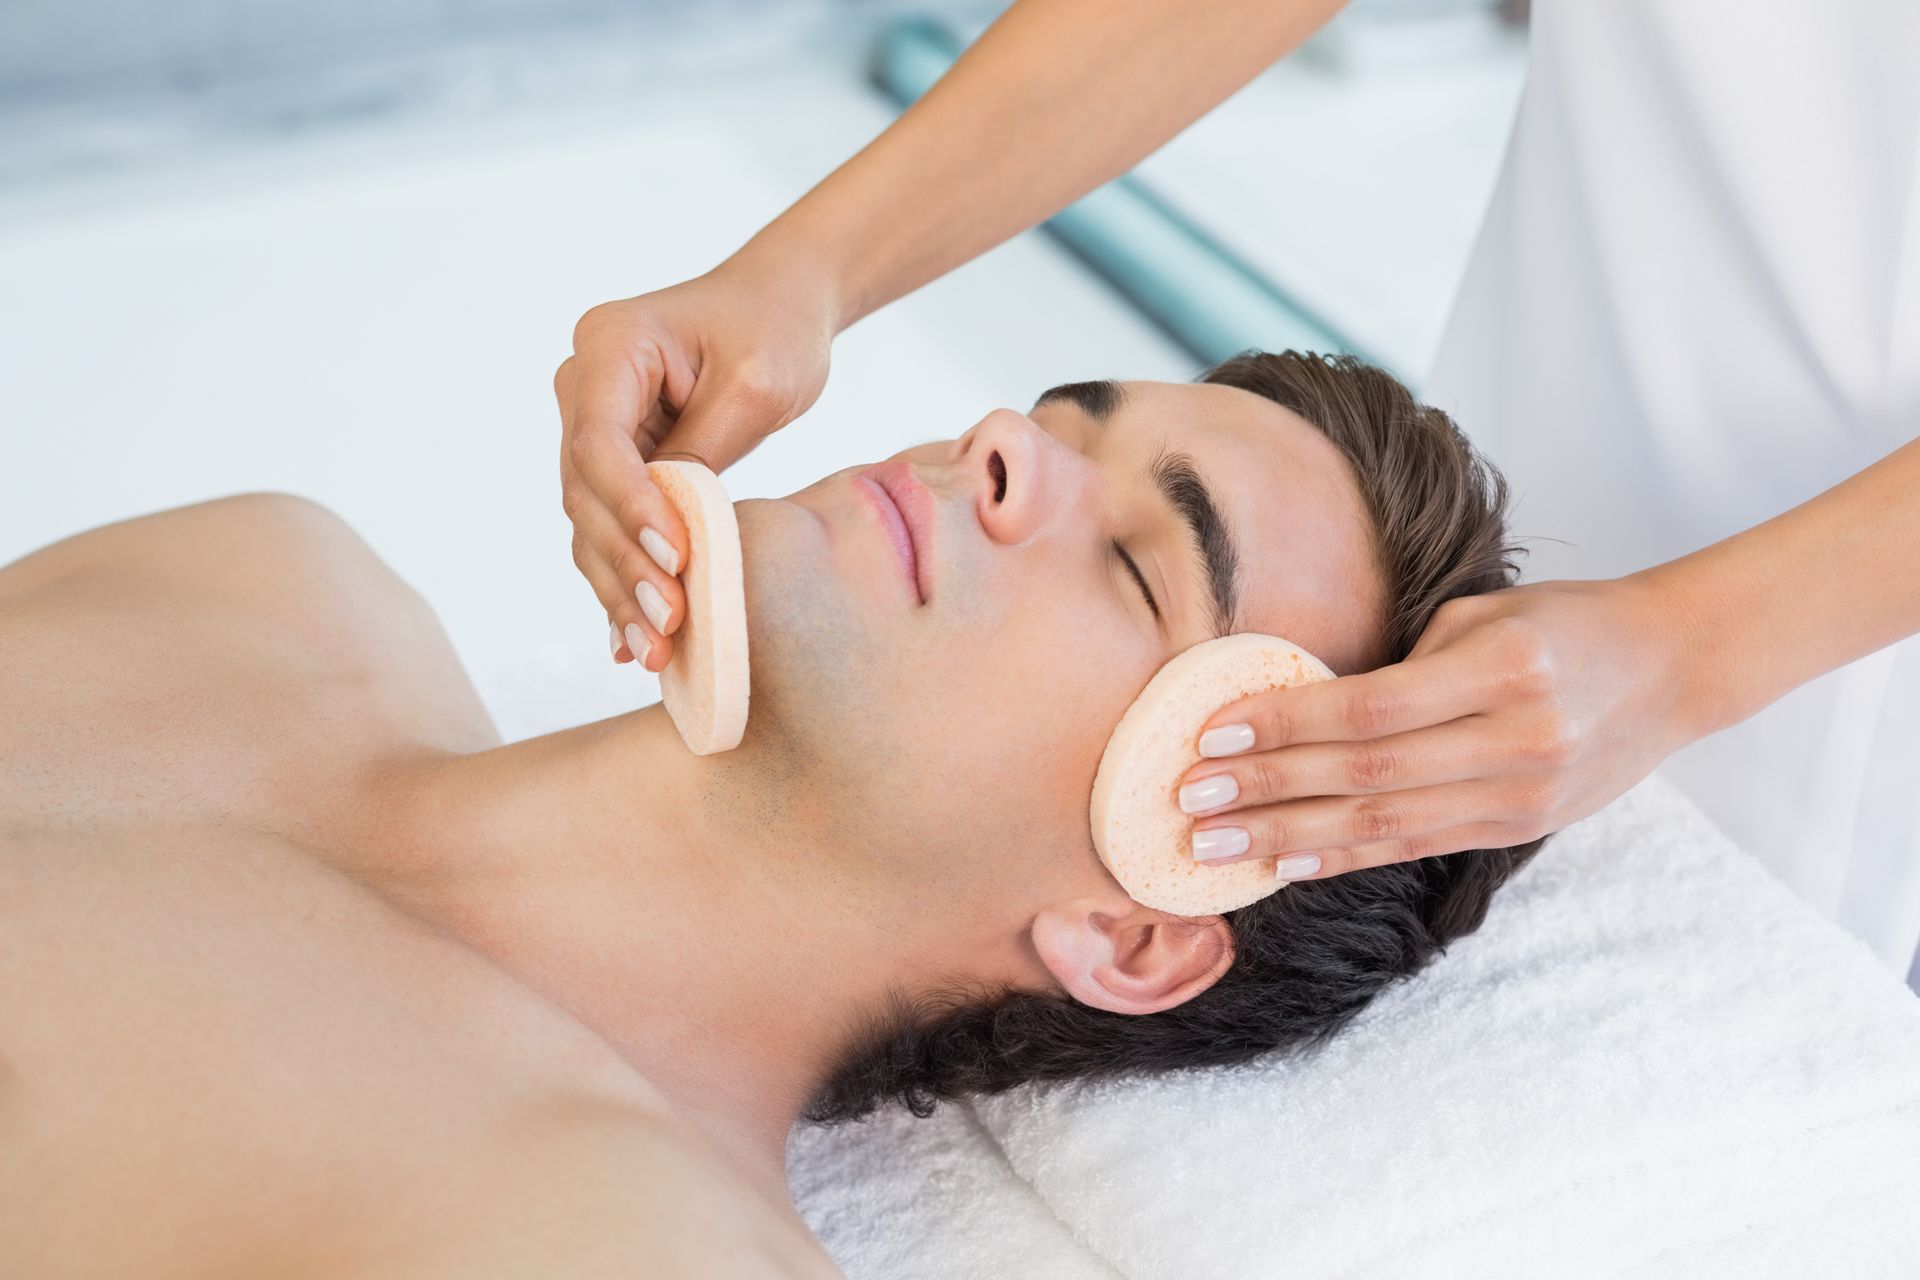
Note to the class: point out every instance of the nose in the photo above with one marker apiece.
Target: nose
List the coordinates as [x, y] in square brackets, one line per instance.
[1021, 477]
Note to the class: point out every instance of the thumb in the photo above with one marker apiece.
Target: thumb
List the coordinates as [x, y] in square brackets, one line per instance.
[722, 422]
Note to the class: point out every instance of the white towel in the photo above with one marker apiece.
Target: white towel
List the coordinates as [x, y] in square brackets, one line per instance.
[895, 1198]
[1651, 1060]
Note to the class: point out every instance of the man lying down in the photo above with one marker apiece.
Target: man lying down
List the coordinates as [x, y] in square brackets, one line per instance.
[301, 969]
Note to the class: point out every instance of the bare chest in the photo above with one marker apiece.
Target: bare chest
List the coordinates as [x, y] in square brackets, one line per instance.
[218, 1057]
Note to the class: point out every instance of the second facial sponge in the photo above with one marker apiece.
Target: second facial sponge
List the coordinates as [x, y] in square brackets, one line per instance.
[1139, 829]
[706, 685]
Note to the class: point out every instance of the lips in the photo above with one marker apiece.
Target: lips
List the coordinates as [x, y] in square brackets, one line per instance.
[907, 508]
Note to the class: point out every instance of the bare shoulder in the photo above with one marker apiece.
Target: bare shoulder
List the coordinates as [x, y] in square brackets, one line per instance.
[233, 541]
[274, 566]
[591, 1189]
[255, 636]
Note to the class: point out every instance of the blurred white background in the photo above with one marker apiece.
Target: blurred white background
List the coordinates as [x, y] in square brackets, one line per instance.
[338, 250]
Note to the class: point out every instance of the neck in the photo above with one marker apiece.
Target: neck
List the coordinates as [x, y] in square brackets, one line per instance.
[691, 910]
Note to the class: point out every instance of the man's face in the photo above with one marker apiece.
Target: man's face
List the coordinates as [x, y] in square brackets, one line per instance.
[956, 739]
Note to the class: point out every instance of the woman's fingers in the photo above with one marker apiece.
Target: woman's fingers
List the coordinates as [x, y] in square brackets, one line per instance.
[615, 478]
[1517, 712]
[1333, 862]
[654, 650]
[1430, 755]
[1460, 749]
[1334, 827]
[1423, 690]
[606, 492]
[638, 583]
[660, 600]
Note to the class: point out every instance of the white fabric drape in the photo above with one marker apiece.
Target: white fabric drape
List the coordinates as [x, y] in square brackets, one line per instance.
[1694, 304]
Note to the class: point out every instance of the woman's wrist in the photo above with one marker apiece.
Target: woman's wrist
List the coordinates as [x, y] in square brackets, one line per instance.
[800, 265]
[1702, 659]
[1759, 614]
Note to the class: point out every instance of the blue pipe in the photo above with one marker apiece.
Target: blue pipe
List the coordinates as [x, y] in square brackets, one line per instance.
[1194, 289]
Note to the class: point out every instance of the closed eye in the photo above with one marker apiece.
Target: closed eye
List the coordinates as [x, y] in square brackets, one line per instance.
[1134, 569]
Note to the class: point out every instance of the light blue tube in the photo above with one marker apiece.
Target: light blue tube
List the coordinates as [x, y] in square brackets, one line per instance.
[1190, 286]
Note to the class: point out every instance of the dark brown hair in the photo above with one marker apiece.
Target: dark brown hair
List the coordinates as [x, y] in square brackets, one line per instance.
[1310, 958]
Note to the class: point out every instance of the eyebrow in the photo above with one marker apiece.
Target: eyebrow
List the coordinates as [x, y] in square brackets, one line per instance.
[1180, 485]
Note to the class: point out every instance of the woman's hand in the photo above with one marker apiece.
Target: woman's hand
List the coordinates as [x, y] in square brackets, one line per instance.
[701, 371]
[1516, 713]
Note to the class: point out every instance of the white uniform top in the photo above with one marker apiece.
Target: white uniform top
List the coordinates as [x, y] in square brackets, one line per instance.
[1694, 304]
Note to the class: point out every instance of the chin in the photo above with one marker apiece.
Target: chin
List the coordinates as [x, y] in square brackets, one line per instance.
[823, 665]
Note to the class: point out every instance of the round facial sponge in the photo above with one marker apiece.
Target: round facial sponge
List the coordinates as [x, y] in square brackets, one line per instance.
[1139, 829]
[706, 685]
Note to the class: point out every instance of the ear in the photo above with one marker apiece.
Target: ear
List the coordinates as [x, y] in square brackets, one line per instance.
[1129, 958]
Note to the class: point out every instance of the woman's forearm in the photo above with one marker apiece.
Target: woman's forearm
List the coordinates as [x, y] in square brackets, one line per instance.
[1055, 98]
[1812, 589]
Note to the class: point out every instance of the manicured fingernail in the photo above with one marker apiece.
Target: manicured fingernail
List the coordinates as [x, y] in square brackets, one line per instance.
[1227, 740]
[1296, 865]
[660, 549]
[653, 604]
[637, 641]
[1208, 793]
[613, 638]
[1219, 842]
